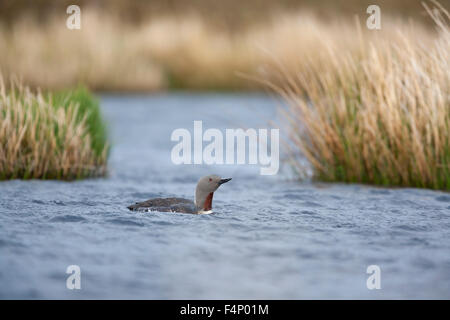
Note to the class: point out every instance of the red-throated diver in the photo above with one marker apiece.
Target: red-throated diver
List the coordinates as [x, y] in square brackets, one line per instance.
[203, 199]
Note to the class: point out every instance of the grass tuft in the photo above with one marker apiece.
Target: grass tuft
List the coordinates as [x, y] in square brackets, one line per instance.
[377, 112]
[50, 136]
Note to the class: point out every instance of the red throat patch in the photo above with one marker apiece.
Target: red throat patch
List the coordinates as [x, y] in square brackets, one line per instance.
[208, 202]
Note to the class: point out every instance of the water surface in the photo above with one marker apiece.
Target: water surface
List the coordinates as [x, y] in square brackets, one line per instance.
[269, 238]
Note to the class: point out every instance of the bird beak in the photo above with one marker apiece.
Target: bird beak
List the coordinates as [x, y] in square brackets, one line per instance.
[222, 181]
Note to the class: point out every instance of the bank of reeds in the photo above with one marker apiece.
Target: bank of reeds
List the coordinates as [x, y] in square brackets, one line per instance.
[50, 136]
[164, 52]
[377, 112]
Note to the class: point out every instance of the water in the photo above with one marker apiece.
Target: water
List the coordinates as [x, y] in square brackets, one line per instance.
[270, 237]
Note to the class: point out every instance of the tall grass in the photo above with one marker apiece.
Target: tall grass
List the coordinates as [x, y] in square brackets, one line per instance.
[50, 136]
[377, 112]
[165, 52]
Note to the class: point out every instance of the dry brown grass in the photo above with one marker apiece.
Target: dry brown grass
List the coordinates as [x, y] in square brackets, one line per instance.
[99, 56]
[377, 111]
[41, 140]
[106, 54]
[178, 51]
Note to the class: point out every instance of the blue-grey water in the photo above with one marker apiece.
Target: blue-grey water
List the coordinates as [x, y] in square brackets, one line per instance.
[270, 236]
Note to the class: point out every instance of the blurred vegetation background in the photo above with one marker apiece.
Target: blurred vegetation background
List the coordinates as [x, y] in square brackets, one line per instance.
[157, 45]
[230, 14]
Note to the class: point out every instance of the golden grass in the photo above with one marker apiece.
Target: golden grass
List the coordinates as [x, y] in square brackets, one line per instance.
[179, 51]
[40, 140]
[107, 54]
[377, 111]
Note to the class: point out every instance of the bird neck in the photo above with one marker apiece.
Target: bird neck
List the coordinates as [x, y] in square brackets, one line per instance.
[207, 205]
[203, 200]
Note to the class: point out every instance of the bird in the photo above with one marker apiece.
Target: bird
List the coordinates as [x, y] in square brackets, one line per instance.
[204, 192]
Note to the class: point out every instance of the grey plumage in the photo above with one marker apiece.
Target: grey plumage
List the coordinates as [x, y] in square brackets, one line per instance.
[165, 205]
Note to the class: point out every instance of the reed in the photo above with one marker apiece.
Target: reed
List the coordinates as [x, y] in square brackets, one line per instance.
[50, 136]
[377, 112]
